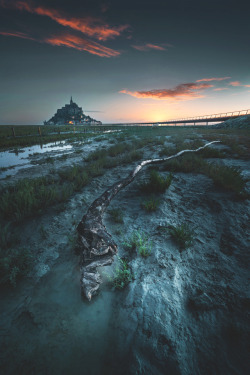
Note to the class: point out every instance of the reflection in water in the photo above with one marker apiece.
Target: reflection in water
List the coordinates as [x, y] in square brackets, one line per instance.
[20, 157]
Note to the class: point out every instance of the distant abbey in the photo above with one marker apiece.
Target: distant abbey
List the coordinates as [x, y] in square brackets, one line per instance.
[71, 114]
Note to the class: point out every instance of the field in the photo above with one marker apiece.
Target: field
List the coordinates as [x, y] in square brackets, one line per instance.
[176, 295]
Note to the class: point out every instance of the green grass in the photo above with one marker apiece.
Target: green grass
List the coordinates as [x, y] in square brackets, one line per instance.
[167, 151]
[156, 183]
[186, 163]
[228, 178]
[14, 264]
[138, 241]
[95, 168]
[6, 236]
[132, 156]
[31, 196]
[211, 152]
[182, 235]
[122, 275]
[95, 155]
[118, 149]
[151, 204]
[27, 197]
[116, 215]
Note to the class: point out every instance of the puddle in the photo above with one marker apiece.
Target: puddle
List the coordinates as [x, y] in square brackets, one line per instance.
[17, 159]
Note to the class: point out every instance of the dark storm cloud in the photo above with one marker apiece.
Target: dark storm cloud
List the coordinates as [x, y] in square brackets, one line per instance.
[184, 91]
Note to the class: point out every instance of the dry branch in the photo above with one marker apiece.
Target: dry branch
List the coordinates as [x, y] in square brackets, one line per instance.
[95, 243]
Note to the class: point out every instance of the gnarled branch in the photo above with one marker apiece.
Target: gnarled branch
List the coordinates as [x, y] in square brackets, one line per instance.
[96, 244]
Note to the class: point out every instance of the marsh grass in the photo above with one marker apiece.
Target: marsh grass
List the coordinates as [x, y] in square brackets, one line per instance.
[95, 155]
[26, 197]
[167, 151]
[211, 152]
[116, 215]
[5, 236]
[65, 156]
[118, 149]
[182, 235]
[133, 155]
[14, 264]
[228, 178]
[49, 159]
[156, 183]
[186, 163]
[31, 196]
[121, 275]
[151, 204]
[138, 241]
[95, 168]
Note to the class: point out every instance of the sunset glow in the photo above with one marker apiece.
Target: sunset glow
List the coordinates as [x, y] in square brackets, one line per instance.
[123, 61]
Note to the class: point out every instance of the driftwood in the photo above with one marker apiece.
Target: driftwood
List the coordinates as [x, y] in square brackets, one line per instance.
[96, 245]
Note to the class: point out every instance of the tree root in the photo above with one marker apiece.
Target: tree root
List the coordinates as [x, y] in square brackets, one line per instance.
[96, 245]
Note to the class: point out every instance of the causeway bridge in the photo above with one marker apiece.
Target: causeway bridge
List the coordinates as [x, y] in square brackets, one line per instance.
[201, 120]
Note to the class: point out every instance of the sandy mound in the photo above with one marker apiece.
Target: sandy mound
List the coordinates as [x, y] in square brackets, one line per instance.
[242, 122]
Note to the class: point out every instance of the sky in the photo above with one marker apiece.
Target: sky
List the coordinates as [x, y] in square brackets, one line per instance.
[123, 61]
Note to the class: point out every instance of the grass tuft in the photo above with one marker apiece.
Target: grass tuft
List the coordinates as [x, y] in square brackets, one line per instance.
[151, 204]
[156, 183]
[116, 215]
[182, 235]
[138, 241]
[122, 275]
[14, 264]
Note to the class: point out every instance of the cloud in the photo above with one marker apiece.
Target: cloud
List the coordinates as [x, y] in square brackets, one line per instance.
[221, 88]
[212, 79]
[105, 7]
[70, 41]
[184, 91]
[16, 34]
[81, 44]
[92, 27]
[237, 84]
[148, 47]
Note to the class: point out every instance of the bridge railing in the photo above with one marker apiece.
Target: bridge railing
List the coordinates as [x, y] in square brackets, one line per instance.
[217, 115]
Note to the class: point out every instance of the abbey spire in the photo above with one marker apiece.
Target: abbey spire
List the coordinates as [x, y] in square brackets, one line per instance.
[71, 114]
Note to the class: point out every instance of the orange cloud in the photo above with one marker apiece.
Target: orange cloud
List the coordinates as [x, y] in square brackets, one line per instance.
[212, 79]
[92, 27]
[237, 84]
[148, 46]
[16, 34]
[185, 91]
[71, 41]
[221, 88]
[81, 44]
